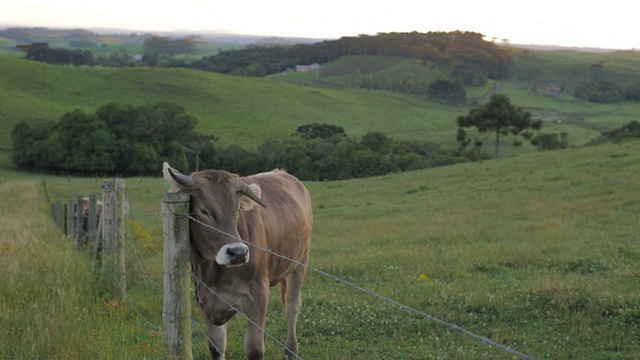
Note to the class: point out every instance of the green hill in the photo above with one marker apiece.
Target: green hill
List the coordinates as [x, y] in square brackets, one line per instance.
[247, 111]
[238, 110]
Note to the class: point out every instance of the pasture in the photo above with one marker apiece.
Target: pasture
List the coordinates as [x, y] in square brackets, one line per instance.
[539, 252]
[249, 111]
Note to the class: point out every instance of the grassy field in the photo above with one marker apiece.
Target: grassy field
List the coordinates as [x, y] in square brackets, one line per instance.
[539, 252]
[244, 111]
[249, 111]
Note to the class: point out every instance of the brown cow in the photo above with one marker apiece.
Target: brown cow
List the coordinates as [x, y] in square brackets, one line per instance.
[228, 237]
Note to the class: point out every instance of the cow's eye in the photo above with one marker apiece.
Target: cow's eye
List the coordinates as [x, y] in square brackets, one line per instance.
[204, 212]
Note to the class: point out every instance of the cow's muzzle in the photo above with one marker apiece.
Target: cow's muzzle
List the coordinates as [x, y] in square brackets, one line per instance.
[233, 255]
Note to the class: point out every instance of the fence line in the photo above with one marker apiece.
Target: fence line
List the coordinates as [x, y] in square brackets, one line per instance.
[100, 231]
[98, 226]
[364, 290]
[71, 222]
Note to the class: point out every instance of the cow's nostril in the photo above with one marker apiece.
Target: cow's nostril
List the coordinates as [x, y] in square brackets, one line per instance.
[233, 255]
[237, 251]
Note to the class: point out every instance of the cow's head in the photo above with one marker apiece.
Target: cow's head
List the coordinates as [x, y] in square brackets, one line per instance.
[217, 198]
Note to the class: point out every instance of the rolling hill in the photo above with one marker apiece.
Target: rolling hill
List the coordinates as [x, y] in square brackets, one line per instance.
[247, 111]
[238, 110]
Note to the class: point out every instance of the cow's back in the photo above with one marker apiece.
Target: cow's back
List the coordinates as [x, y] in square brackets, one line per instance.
[286, 221]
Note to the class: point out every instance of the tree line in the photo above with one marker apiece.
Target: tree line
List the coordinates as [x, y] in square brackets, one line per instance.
[466, 52]
[127, 140]
[470, 57]
[155, 48]
[446, 91]
[116, 139]
[603, 91]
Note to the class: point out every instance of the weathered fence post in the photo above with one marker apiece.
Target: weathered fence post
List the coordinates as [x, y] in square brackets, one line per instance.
[177, 274]
[91, 225]
[55, 213]
[113, 235]
[71, 225]
[63, 217]
[79, 223]
[119, 250]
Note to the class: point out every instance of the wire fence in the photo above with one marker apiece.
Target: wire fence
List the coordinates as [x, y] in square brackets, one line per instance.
[136, 267]
[386, 299]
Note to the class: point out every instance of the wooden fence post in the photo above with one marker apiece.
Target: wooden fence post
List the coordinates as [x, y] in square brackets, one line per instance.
[119, 250]
[63, 218]
[113, 206]
[177, 275]
[55, 209]
[91, 225]
[79, 222]
[71, 225]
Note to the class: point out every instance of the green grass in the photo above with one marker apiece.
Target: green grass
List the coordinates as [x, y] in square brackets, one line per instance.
[249, 111]
[244, 111]
[538, 252]
[50, 307]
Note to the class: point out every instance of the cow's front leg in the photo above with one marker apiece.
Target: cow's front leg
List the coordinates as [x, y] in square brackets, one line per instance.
[257, 314]
[217, 340]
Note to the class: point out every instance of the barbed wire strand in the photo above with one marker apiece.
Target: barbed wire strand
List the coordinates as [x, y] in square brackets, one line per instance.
[357, 287]
[146, 278]
[372, 293]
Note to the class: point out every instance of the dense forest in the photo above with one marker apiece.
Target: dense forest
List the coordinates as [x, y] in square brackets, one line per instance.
[465, 52]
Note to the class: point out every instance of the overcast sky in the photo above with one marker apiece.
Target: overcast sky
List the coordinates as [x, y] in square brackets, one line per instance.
[608, 24]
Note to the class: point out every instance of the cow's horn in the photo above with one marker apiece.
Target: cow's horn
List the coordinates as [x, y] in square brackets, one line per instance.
[246, 190]
[180, 178]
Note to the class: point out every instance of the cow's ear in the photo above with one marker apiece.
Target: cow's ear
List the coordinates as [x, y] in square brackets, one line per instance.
[250, 196]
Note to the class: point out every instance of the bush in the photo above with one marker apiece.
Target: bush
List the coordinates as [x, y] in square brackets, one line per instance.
[599, 91]
[547, 141]
[448, 91]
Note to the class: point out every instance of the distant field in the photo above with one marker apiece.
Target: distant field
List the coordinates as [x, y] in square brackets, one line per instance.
[538, 252]
[248, 111]
[244, 111]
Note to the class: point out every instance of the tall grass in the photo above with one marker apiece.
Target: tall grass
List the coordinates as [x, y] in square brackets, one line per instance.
[50, 307]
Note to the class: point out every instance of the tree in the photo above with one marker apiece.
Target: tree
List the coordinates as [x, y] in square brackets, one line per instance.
[497, 116]
[448, 91]
[377, 141]
[633, 92]
[22, 138]
[117, 138]
[167, 47]
[599, 91]
[322, 131]
[548, 141]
